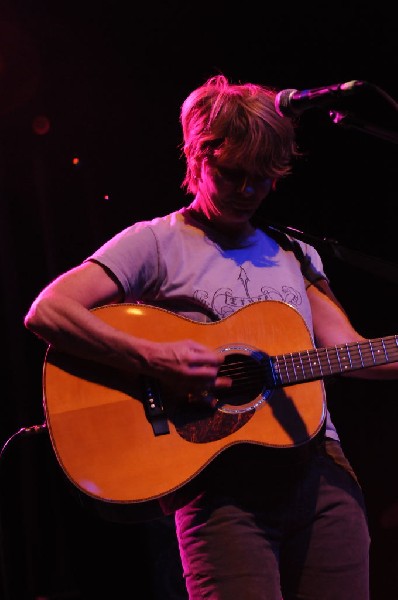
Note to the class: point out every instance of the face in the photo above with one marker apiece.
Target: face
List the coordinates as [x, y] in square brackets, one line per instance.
[229, 196]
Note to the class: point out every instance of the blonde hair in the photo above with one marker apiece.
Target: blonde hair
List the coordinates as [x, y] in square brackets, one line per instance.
[238, 124]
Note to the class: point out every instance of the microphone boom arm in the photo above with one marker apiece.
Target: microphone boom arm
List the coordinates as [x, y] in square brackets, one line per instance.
[351, 121]
[372, 264]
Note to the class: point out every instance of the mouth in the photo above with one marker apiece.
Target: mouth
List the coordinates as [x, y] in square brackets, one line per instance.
[243, 207]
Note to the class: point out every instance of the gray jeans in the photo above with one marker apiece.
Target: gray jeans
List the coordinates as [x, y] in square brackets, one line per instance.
[301, 535]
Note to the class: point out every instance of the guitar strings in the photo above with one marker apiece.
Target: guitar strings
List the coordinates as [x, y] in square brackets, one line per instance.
[312, 364]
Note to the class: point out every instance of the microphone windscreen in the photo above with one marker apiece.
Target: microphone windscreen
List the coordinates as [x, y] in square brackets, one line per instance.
[282, 102]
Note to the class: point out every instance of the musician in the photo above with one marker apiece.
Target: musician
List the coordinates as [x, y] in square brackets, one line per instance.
[259, 520]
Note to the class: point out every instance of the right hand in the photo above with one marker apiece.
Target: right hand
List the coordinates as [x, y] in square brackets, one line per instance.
[192, 366]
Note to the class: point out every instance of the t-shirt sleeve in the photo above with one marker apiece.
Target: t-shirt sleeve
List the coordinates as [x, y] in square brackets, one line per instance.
[133, 258]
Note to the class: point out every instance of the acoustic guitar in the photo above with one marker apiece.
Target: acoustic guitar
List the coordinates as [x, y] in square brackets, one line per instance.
[125, 440]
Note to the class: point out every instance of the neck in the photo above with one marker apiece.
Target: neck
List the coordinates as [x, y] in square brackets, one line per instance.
[230, 229]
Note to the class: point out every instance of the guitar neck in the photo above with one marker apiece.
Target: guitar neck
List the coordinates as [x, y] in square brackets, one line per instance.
[317, 363]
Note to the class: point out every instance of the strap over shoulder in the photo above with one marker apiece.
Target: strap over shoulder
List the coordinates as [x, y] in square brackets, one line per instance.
[310, 274]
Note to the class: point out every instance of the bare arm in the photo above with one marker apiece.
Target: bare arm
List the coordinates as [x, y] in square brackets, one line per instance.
[332, 327]
[61, 315]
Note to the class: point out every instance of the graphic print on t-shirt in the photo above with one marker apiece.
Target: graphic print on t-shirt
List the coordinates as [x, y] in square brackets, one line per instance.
[224, 301]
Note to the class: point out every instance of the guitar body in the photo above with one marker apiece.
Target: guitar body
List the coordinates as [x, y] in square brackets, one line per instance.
[98, 420]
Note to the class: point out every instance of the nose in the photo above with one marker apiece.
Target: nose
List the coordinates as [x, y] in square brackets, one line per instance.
[246, 187]
[248, 190]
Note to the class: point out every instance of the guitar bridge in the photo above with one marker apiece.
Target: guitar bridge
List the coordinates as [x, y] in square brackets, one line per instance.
[154, 408]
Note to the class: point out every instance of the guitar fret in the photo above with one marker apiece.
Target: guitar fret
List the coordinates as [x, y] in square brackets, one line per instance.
[328, 359]
[360, 354]
[324, 365]
[371, 349]
[294, 368]
[309, 363]
[317, 364]
[343, 353]
[355, 355]
[349, 355]
[278, 371]
[338, 357]
[286, 369]
[377, 353]
[384, 349]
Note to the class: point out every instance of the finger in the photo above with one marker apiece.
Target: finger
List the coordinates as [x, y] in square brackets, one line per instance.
[223, 382]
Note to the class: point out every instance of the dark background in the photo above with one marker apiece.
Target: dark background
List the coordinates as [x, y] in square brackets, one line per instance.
[104, 82]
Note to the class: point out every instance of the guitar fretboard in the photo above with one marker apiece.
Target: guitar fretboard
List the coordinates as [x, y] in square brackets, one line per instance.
[317, 363]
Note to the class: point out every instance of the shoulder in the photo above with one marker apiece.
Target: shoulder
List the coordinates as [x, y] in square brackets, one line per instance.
[170, 221]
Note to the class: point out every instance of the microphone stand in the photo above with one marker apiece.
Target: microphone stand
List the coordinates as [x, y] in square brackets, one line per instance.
[353, 121]
[372, 264]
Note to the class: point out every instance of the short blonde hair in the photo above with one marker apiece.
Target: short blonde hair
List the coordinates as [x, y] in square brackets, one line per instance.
[236, 123]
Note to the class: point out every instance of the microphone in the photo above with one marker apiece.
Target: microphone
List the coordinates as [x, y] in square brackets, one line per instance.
[291, 103]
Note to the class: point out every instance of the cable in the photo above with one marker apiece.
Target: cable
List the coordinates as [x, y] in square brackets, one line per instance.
[33, 430]
[27, 431]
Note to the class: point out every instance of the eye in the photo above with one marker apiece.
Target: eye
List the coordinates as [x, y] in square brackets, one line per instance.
[233, 175]
[237, 176]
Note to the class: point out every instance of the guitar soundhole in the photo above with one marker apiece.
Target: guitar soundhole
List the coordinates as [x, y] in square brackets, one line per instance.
[248, 379]
[207, 421]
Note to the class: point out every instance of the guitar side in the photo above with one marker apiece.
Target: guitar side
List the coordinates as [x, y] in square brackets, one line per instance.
[100, 432]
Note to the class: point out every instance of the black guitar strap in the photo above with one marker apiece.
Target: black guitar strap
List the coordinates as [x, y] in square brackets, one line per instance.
[288, 243]
[312, 276]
